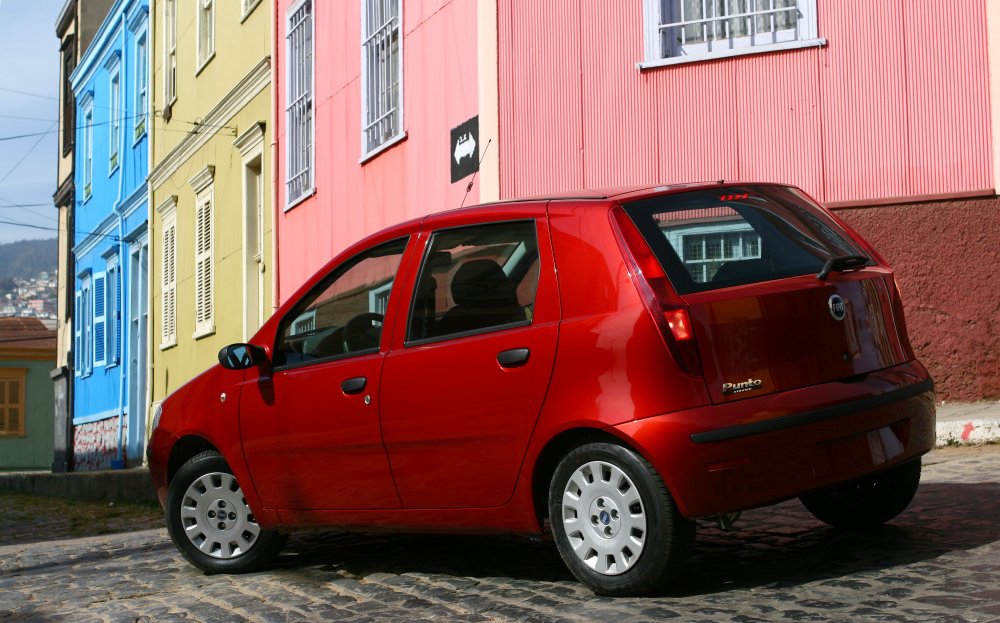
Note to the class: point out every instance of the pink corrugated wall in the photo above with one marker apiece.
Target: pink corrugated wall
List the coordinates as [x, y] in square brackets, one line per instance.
[896, 105]
[352, 200]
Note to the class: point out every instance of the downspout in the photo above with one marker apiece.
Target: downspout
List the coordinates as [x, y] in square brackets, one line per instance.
[274, 158]
[148, 389]
[121, 300]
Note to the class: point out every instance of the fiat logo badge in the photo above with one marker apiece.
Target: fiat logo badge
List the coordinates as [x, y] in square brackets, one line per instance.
[838, 309]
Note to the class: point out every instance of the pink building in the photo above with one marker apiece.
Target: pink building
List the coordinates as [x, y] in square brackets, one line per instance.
[383, 106]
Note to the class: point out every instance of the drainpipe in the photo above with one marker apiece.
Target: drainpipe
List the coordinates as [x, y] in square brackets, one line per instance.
[274, 157]
[148, 388]
[122, 300]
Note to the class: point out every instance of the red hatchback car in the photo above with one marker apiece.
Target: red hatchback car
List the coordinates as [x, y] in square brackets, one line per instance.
[609, 366]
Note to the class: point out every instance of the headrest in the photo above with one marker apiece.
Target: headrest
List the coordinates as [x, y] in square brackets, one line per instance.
[476, 280]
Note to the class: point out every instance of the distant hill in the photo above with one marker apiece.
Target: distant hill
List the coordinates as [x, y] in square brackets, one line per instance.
[27, 258]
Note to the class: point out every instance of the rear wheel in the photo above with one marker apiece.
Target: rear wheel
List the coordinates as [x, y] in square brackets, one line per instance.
[210, 522]
[867, 502]
[614, 522]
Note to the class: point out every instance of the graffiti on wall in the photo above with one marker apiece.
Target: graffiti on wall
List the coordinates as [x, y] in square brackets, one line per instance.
[95, 444]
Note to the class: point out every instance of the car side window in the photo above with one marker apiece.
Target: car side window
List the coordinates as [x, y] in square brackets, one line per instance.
[343, 315]
[475, 279]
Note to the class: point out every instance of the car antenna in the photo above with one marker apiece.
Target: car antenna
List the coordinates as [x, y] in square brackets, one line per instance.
[469, 187]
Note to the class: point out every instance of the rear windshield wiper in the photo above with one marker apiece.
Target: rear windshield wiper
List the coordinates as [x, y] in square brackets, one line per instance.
[842, 263]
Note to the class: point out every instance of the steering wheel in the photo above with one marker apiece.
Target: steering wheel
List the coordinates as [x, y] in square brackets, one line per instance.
[357, 331]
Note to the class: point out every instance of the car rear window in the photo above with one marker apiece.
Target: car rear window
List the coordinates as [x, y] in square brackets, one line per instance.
[709, 239]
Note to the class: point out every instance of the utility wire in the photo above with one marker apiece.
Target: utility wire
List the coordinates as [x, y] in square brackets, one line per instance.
[26, 154]
[48, 97]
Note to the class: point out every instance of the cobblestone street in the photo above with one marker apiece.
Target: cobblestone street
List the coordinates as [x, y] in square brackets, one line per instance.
[939, 561]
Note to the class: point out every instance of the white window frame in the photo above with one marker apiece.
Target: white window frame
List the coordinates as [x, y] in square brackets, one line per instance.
[300, 111]
[247, 8]
[805, 34]
[141, 88]
[168, 273]
[78, 333]
[204, 252]
[379, 102]
[115, 120]
[88, 149]
[169, 51]
[206, 32]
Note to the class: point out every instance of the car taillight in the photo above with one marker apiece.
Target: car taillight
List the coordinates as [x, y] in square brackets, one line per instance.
[668, 311]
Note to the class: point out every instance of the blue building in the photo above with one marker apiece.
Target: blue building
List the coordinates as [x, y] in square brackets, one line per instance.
[111, 85]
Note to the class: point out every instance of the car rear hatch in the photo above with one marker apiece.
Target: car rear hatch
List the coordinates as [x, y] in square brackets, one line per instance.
[779, 295]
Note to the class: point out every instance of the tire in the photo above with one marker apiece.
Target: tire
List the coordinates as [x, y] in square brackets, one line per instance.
[867, 502]
[210, 523]
[614, 522]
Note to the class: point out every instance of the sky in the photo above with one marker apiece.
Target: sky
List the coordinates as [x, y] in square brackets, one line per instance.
[29, 64]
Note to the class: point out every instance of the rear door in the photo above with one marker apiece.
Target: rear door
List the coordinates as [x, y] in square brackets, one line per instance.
[466, 378]
[746, 260]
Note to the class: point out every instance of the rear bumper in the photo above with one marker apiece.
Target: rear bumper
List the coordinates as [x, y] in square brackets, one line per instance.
[723, 458]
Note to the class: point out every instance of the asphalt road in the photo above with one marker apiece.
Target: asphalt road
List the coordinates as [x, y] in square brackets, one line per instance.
[939, 561]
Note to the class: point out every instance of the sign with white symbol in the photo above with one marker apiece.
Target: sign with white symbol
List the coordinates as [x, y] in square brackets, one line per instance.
[465, 149]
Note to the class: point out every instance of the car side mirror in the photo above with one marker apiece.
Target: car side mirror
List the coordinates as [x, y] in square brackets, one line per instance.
[241, 356]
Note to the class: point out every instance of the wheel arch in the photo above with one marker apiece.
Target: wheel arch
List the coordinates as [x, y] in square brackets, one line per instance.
[186, 448]
[552, 453]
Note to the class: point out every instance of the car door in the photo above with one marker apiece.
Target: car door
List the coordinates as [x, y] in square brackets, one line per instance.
[464, 384]
[310, 425]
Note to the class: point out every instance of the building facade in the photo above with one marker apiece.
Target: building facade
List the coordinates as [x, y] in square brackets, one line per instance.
[75, 27]
[27, 353]
[209, 182]
[110, 250]
[890, 124]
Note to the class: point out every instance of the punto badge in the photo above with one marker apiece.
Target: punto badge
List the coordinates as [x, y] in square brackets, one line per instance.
[838, 309]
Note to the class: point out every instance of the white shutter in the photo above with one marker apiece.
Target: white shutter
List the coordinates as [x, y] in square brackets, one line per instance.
[100, 320]
[168, 320]
[77, 341]
[203, 277]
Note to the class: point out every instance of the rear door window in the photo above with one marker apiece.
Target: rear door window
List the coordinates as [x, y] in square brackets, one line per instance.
[475, 279]
[710, 239]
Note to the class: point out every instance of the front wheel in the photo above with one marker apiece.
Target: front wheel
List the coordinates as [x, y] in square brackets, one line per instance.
[867, 502]
[614, 522]
[210, 522]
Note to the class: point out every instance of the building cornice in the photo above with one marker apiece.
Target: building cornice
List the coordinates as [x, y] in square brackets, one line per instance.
[64, 194]
[250, 139]
[242, 94]
[107, 33]
[202, 179]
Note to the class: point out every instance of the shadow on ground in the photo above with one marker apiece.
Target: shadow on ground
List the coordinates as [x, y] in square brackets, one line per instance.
[778, 546]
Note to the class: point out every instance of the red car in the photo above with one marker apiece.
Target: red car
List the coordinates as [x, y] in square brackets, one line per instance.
[607, 366]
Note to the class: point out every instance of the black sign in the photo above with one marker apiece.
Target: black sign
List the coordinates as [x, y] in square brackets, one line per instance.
[464, 150]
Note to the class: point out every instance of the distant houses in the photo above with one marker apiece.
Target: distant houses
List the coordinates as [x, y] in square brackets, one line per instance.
[27, 354]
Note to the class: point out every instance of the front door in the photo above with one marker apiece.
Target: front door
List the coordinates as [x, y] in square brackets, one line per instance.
[311, 432]
[138, 317]
[461, 397]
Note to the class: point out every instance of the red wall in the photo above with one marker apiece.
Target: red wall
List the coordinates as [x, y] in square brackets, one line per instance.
[949, 277]
[895, 105]
[409, 179]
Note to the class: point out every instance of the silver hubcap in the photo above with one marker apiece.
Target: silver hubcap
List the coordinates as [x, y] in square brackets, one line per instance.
[216, 517]
[604, 518]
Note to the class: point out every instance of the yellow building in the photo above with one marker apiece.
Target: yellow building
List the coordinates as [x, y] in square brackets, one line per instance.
[210, 170]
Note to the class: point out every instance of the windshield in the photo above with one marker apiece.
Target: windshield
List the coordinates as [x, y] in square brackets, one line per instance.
[717, 238]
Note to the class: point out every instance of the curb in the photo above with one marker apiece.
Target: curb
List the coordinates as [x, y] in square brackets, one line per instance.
[966, 432]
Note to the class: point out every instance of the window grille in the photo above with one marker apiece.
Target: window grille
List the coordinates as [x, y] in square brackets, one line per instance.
[382, 103]
[300, 101]
[694, 28]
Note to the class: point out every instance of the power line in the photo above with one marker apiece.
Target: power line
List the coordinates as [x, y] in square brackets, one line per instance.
[25, 118]
[196, 124]
[22, 159]
[48, 97]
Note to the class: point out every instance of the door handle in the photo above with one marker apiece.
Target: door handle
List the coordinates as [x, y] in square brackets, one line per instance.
[354, 386]
[513, 358]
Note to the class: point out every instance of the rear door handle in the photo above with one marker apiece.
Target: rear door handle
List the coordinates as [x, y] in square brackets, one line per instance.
[355, 385]
[513, 358]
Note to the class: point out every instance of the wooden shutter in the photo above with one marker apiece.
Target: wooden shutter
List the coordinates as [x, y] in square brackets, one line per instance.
[169, 285]
[203, 266]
